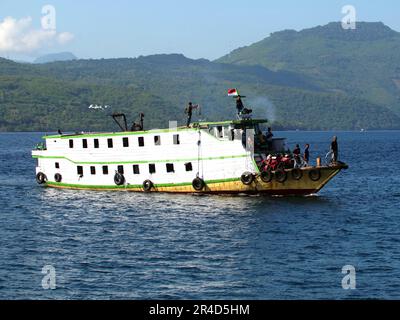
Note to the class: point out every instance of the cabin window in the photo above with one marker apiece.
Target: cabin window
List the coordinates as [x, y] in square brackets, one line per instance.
[176, 139]
[157, 140]
[188, 166]
[79, 170]
[110, 143]
[170, 167]
[120, 169]
[141, 141]
[57, 165]
[125, 142]
[93, 170]
[84, 143]
[219, 130]
[105, 170]
[136, 169]
[96, 143]
[152, 168]
[71, 143]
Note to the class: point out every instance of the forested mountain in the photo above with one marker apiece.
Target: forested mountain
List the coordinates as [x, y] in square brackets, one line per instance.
[362, 63]
[293, 92]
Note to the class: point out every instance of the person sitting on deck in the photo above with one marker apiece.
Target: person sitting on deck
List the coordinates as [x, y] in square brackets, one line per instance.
[243, 112]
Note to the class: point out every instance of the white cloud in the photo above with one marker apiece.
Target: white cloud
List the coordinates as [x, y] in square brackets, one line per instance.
[19, 36]
[65, 37]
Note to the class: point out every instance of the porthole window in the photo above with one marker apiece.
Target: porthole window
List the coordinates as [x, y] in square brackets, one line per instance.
[120, 169]
[57, 165]
[136, 169]
[152, 168]
[79, 170]
[96, 143]
[189, 166]
[84, 143]
[157, 140]
[105, 170]
[92, 170]
[71, 143]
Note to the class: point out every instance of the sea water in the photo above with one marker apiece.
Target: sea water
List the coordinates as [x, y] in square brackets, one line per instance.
[121, 245]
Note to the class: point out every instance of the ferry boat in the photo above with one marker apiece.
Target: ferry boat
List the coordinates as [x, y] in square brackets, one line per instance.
[207, 157]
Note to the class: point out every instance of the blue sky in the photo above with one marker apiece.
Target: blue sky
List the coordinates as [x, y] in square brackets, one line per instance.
[198, 29]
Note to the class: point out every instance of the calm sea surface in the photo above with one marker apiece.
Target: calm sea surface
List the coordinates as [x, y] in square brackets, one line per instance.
[119, 245]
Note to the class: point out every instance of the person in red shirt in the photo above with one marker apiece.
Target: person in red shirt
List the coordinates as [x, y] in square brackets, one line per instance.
[296, 154]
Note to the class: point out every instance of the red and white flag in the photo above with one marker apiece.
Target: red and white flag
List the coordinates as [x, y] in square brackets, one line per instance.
[233, 93]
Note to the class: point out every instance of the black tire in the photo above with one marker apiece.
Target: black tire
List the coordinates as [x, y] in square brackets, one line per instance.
[58, 177]
[147, 185]
[297, 174]
[247, 178]
[119, 179]
[41, 178]
[315, 174]
[266, 176]
[280, 176]
[198, 184]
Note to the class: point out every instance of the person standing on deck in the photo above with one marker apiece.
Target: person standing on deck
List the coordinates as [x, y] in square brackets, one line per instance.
[189, 112]
[239, 105]
[296, 154]
[334, 149]
[306, 155]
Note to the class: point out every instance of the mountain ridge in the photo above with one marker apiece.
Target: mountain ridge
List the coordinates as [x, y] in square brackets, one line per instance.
[291, 92]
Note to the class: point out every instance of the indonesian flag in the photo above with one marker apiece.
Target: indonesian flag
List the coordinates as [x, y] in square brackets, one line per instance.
[233, 93]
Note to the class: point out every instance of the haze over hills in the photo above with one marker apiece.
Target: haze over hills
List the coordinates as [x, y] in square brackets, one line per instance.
[299, 80]
[53, 57]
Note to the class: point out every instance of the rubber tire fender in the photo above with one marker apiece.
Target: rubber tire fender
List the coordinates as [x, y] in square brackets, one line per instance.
[198, 184]
[119, 179]
[297, 174]
[247, 178]
[315, 174]
[58, 177]
[41, 178]
[147, 185]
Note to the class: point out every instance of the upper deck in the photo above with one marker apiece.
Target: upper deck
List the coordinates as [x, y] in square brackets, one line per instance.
[233, 124]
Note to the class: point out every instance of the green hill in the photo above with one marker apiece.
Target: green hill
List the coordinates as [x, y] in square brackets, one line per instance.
[57, 95]
[362, 63]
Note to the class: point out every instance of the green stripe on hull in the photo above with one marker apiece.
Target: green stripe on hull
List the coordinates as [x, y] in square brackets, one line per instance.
[142, 161]
[134, 186]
